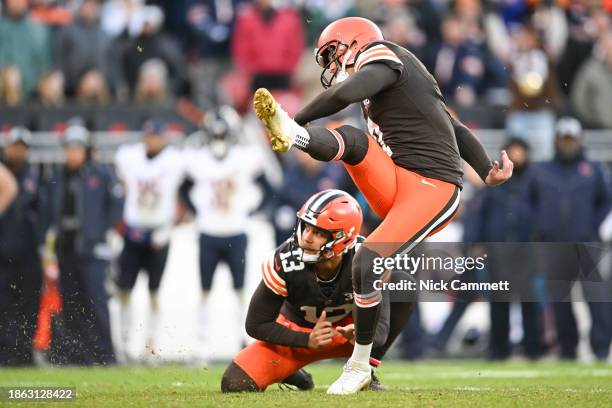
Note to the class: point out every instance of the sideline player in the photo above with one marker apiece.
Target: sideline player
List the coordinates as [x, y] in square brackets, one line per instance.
[224, 173]
[301, 311]
[410, 170]
[151, 173]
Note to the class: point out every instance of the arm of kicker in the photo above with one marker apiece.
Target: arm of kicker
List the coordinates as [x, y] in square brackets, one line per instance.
[367, 82]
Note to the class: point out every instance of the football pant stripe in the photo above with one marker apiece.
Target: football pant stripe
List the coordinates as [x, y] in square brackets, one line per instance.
[341, 146]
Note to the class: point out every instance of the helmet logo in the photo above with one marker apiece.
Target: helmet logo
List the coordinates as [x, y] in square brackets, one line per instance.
[310, 217]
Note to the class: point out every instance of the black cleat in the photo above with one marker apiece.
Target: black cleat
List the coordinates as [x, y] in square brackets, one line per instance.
[375, 384]
[300, 380]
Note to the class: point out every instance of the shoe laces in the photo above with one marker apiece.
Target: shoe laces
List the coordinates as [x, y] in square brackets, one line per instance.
[348, 366]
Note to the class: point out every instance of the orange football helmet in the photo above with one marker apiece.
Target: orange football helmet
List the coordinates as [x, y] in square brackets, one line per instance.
[336, 212]
[340, 43]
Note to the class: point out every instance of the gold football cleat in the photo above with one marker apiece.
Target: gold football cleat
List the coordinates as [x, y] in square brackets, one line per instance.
[271, 115]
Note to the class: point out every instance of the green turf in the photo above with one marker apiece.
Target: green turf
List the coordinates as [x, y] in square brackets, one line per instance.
[471, 384]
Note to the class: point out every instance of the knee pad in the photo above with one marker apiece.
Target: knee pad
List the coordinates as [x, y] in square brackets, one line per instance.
[355, 144]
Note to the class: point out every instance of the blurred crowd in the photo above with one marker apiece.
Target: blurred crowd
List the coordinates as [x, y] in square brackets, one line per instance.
[534, 58]
[532, 61]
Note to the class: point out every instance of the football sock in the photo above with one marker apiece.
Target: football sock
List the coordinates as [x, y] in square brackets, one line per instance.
[345, 143]
[398, 317]
[366, 319]
[241, 315]
[152, 328]
[361, 353]
[125, 318]
[203, 323]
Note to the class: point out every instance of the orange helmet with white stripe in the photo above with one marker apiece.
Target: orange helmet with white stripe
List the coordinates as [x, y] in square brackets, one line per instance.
[336, 212]
[339, 44]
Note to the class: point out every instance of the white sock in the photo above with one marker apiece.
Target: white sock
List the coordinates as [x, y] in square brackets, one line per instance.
[125, 319]
[361, 353]
[152, 329]
[241, 315]
[302, 138]
[203, 323]
[202, 350]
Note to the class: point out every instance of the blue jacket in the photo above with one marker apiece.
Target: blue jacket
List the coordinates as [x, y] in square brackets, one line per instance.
[569, 200]
[501, 214]
[22, 226]
[99, 205]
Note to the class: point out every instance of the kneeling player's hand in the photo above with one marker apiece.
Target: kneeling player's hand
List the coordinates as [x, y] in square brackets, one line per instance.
[321, 335]
[498, 175]
[348, 332]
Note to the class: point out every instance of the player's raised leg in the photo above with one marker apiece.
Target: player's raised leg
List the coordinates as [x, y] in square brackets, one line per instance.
[370, 167]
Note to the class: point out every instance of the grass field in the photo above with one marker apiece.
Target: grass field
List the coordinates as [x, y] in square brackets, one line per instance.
[465, 384]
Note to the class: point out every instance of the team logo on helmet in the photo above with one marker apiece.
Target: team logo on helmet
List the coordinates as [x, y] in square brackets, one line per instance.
[335, 212]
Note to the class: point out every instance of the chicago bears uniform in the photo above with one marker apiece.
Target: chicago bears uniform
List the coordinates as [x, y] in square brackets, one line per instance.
[223, 194]
[151, 186]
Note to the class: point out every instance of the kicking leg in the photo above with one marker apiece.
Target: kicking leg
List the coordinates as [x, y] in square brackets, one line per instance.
[369, 166]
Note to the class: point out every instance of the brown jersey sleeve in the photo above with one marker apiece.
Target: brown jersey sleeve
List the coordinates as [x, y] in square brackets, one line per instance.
[471, 150]
[370, 80]
[261, 320]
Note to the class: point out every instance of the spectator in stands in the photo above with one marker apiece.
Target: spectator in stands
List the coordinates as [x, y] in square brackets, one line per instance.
[150, 43]
[152, 85]
[82, 48]
[10, 86]
[570, 199]
[24, 44]
[21, 231]
[118, 15]
[209, 25]
[551, 23]
[8, 188]
[585, 25]
[52, 12]
[51, 89]
[424, 14]
[93, 89]
[535, 94]
[267, 44]
[458, 64]
[85, 205]
[592, 89]
[401, 30]
[505, 216]
[319, 13]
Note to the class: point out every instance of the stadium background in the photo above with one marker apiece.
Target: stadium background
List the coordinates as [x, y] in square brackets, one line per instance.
[195, 56]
